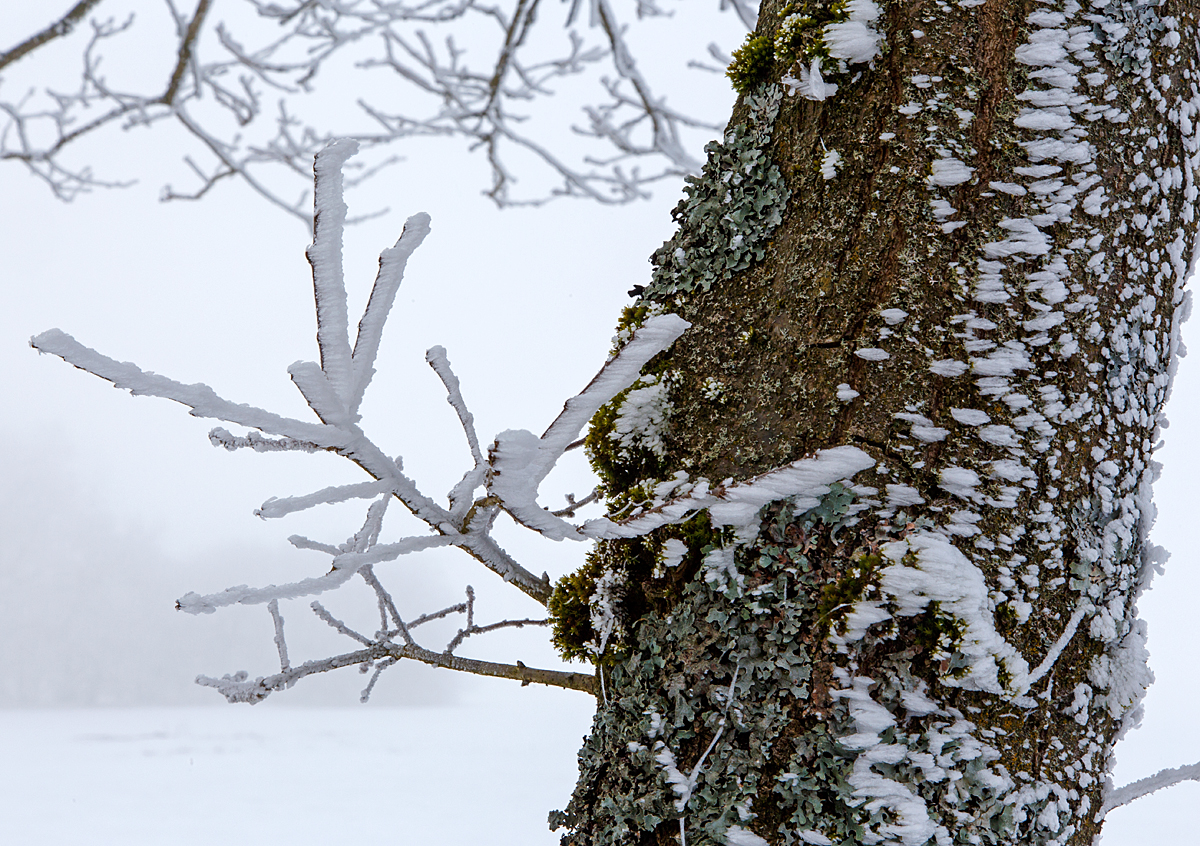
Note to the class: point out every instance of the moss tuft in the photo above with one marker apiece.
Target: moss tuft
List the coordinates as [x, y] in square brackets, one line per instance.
[621, 470]
[570, 612]
[752, 63]
[800, 38]
[575, 596]
[838, 597]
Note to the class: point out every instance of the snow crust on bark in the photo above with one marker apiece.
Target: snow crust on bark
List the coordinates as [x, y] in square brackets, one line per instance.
[1068, 309]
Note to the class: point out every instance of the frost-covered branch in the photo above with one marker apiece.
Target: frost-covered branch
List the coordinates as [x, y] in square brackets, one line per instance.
[252, 440]
[340, 493]
[520, 461]
[383, 652]
[280, 640]
[664, 123]
[1150, 784]
[747, 11]
[337, 625]
[73, 115]
[460, 495]
[201, 399]
[505, 480]
[804, 481]
[254, 92]
[472, 628]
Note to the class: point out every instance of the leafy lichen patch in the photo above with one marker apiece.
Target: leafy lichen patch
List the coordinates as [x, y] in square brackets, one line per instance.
[731, 708]
[725, 220]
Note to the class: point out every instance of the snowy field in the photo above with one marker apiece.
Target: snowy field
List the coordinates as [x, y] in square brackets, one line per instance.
[452, 776]
[297, 776]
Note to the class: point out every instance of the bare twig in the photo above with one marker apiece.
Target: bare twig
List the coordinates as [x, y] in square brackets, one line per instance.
[379, 668]
[184, 56]
[573, 505]
[337, 624]
[628, 120]
[236, 688]
[58, 29]
[386, 605]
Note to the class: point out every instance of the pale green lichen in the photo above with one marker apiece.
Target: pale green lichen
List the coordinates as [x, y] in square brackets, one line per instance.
[743, 662]
[1127, 29]
[725, 221]
[714, 633]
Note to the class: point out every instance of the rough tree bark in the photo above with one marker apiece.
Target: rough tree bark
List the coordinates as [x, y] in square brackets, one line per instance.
[967, 262]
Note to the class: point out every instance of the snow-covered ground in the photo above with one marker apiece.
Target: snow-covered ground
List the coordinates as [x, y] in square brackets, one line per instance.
[475, 773]
[296, 776]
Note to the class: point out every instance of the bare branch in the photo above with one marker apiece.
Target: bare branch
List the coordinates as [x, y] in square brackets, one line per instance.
[460, 608]
[746, 10]
[472, 629]
[185, 53]
[627, 120]
[386, 605]
[573, 505]
[218, 150]
[58, 29]
[379, 668]
[665, 135]
[207, 182]
[236, 688]
[463, 634]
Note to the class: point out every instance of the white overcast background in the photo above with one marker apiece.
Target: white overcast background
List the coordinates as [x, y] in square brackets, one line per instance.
[112, 506]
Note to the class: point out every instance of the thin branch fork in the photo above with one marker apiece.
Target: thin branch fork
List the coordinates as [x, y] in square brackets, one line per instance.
[236, 689]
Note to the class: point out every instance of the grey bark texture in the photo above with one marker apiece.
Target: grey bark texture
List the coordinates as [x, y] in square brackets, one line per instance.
[967, 262]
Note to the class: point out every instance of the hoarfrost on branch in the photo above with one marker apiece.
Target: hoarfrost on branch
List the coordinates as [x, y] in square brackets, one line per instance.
[506, 479]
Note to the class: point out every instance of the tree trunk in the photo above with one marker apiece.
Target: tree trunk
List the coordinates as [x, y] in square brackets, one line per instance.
[967, 262]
